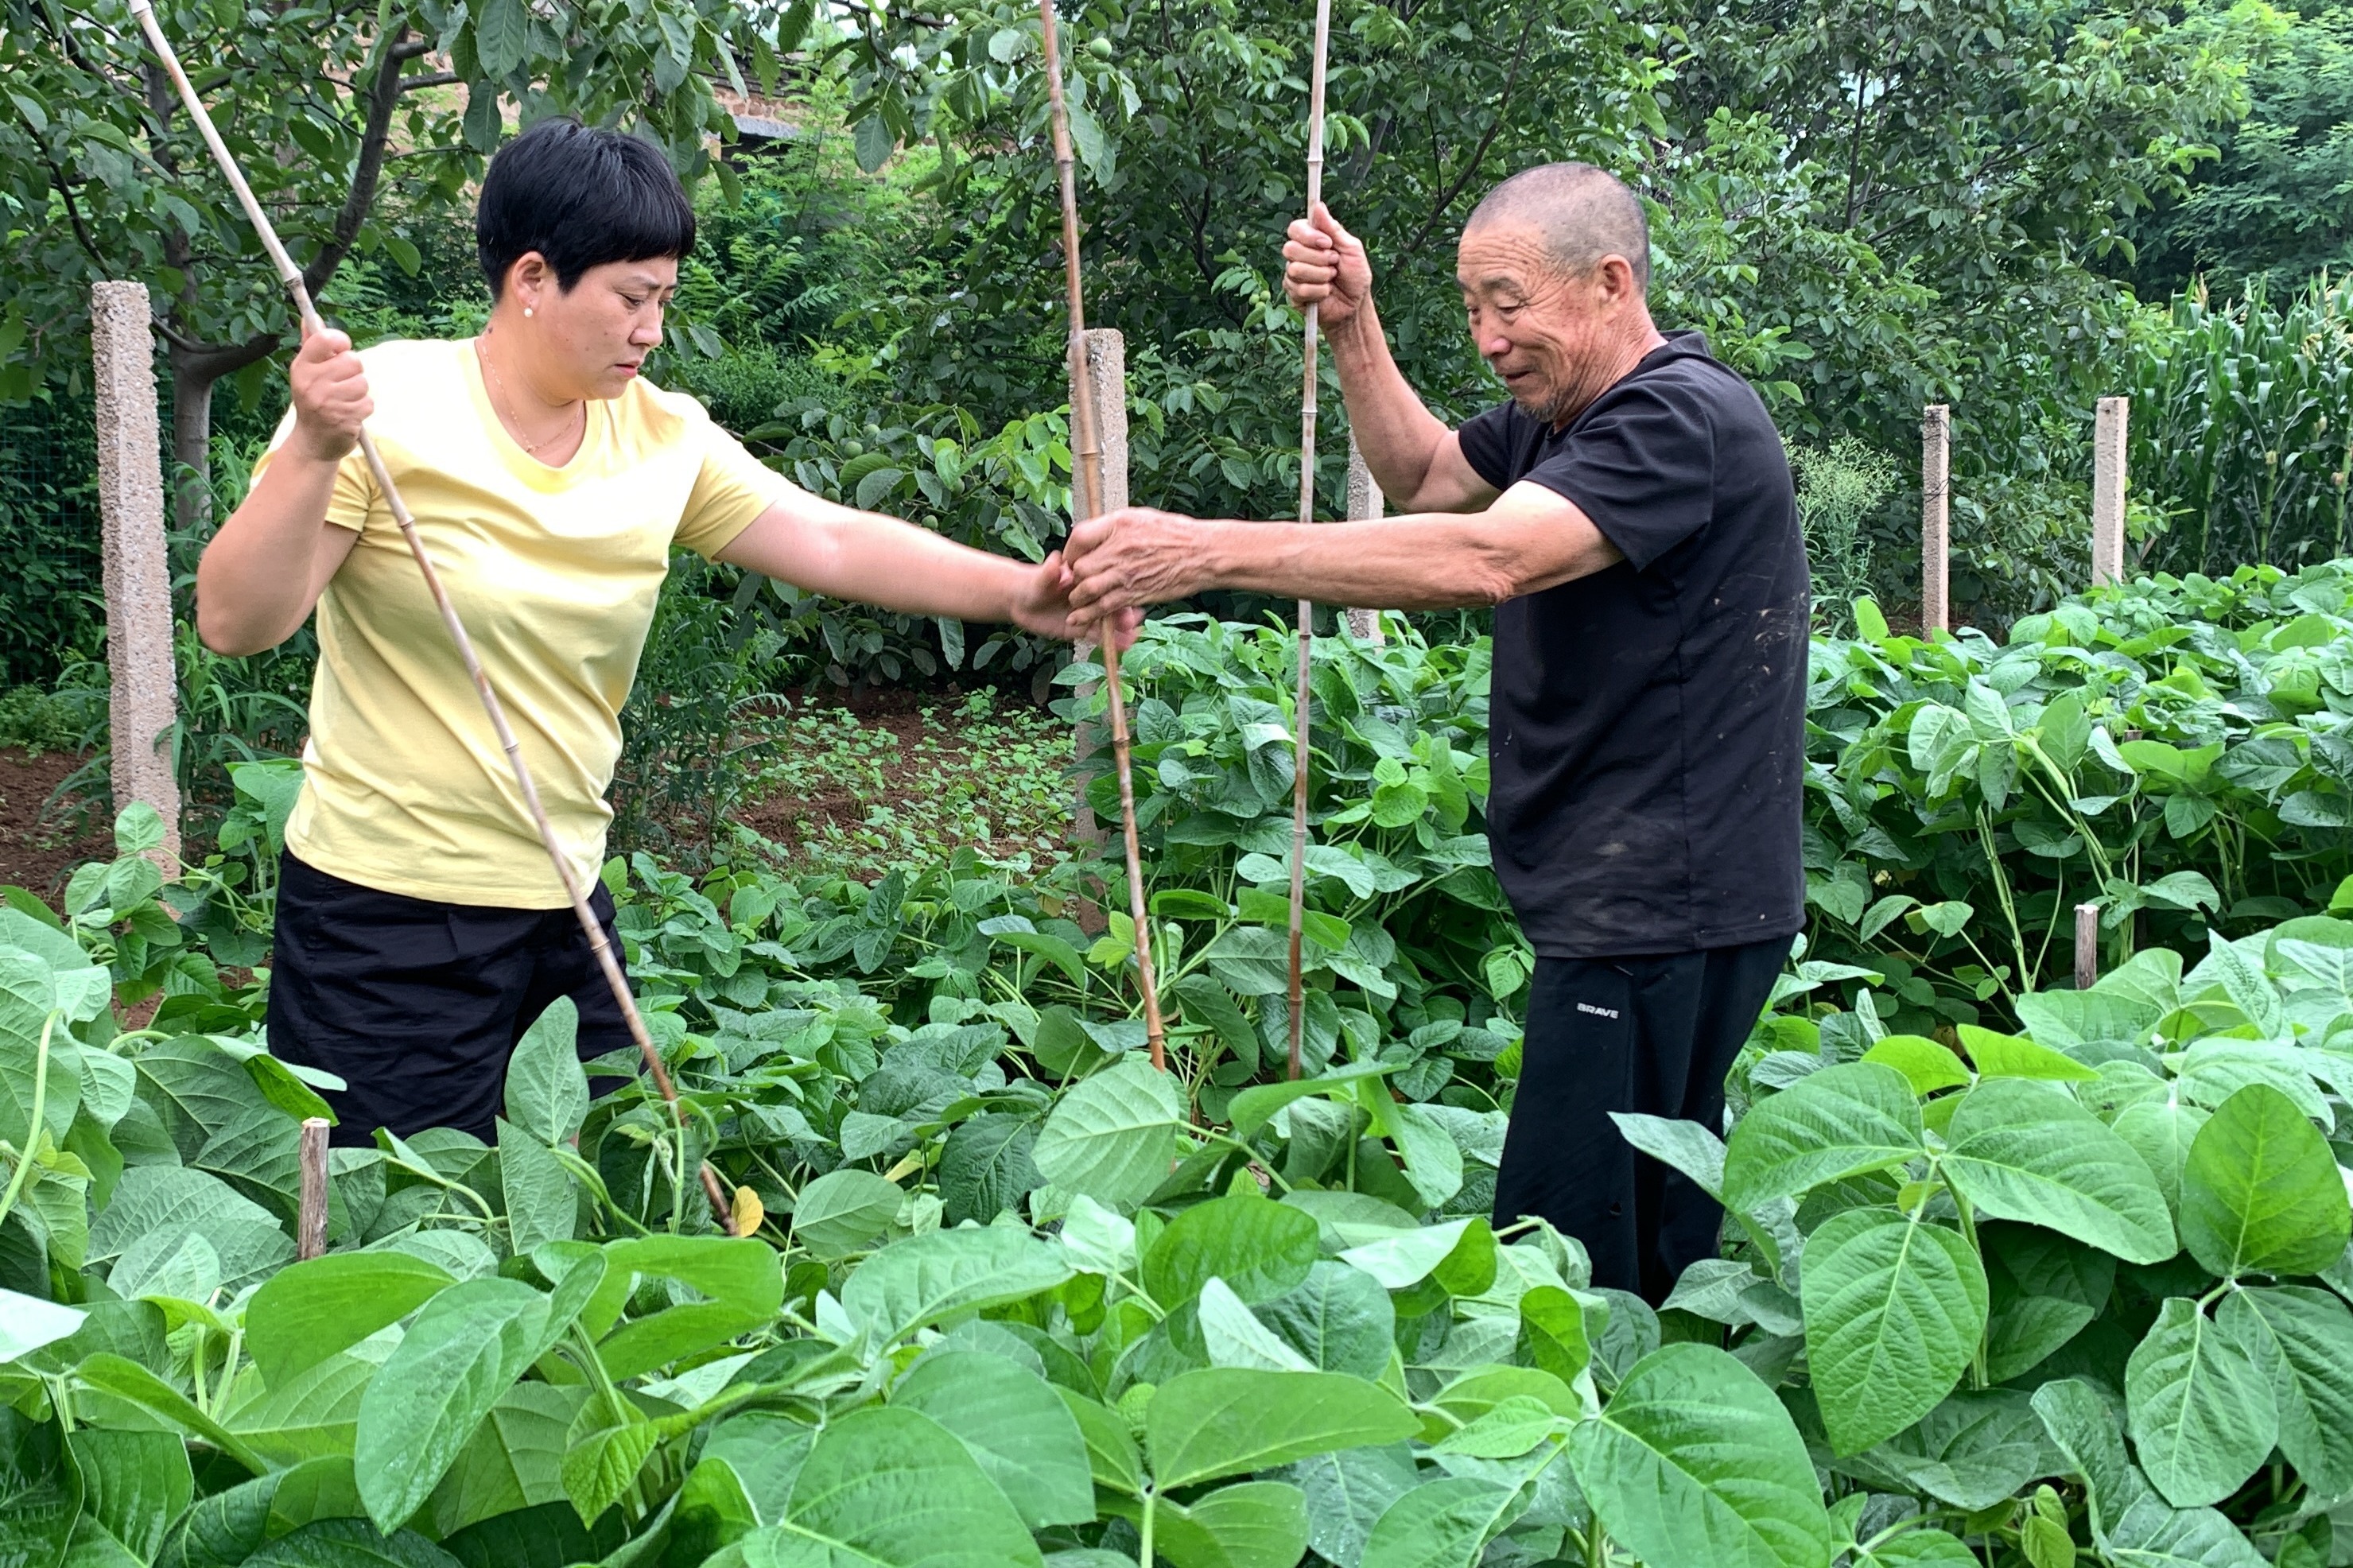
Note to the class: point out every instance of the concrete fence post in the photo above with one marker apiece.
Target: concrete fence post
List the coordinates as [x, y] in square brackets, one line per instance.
[138, 577]
[2108, 484]
[1935, 521]
[1366, 502]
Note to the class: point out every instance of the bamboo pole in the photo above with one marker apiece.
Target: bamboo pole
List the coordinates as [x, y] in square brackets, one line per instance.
[1086, 472]
[291, 276]
[1303, 699]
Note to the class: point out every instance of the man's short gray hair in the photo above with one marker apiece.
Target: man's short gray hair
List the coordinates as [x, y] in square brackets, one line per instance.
[1583, 213]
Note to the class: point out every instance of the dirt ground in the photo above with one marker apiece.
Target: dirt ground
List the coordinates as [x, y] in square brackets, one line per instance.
[35, 850]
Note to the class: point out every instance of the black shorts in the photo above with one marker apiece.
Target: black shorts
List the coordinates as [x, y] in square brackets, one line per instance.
[417, 1005]
[1654, 1034]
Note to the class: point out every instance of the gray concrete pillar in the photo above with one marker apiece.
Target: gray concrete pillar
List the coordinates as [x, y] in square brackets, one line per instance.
[1366, 502]
[138, 576]
[2108, 491]
[1936, 499]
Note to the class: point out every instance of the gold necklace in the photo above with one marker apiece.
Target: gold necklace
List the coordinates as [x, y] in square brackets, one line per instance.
[531, 448]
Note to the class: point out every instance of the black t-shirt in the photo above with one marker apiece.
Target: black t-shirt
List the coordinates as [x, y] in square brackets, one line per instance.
[1648, 729]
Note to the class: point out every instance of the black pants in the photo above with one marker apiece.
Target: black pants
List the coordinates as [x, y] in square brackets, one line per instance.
[1654, 1034]
[417, 1005]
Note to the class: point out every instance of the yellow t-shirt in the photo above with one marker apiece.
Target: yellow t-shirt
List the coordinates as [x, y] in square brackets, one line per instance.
[555, 573]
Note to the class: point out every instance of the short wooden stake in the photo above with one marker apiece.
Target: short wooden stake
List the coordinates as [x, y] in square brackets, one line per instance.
[2087, 945]
[311, 1238]
[1936, 499]
[2108, 483]
[1366, 503]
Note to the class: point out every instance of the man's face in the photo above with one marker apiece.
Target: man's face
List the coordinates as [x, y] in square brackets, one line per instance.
[1546, 334]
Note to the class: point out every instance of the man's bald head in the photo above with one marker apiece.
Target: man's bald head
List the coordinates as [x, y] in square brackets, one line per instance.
[1582, 213]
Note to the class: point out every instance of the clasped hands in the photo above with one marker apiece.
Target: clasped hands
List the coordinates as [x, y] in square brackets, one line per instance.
[1114, 565]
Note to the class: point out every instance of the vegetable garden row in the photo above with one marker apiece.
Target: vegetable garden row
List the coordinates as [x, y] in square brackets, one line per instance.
[2014, 1273]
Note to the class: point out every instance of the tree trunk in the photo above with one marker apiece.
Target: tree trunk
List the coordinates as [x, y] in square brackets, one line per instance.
[192, 445]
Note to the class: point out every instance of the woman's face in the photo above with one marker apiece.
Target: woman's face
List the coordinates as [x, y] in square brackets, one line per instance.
[590, 339]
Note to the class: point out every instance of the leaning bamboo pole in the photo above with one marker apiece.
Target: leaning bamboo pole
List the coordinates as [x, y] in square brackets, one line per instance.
[1086, 473]
[1303, 698]
[291, 276]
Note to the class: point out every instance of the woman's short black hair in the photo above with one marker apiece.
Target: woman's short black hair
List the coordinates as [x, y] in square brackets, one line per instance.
[581, 198]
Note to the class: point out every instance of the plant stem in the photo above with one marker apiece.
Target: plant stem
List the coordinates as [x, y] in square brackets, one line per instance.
[1144, 1551]
[33, 1128]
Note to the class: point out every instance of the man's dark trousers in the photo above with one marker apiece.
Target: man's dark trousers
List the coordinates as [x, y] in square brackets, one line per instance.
[1654, 1034]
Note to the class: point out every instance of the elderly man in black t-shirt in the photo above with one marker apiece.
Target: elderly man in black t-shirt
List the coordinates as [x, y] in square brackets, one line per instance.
[1629, 515]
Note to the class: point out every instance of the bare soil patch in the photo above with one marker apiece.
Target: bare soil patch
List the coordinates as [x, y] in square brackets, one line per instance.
[38, 851]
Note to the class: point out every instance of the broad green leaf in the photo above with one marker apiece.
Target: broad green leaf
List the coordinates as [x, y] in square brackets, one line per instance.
[1894, 1306]
[128, 1380]
[28, 1322]
[843, 1211]
[1695, 1463]
[467, 1346]
[1254, 1106]
[1841, 1121]
[1507, 1432]
[1114, 1136]
[1113, 1457]
[310, 1310]
[1972, 1451]
[1024, 1437]
[766, 1450]
[931, 1279]
[1404, 1258]
[2260, 1192]
[2007, 1056]
[134, 1483]
[1443, 1523]
[986, 1168]
[739, 1275]
[1926, 1065]
[1225, 1421]
[2302, 1339]
[349, 1543]
[541, 1204]
[891, 1487]
[2025, 1151]
[1338, 1317]
[1348, 1491]
[1233, 1336]
[2160, 1131]
[1553, 1335]
[514, 1460]
[1259, 1247]
[40, 1495]
[547, 1089]
[602, 1456]
[1256, 1524]
[1685, 1146]
[2203, 1418]
[1918, 1549]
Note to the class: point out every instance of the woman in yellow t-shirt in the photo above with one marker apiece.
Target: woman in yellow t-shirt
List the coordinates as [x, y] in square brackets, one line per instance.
[420, 927]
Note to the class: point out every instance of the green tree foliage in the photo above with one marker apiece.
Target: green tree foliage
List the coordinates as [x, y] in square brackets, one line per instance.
[354, 124]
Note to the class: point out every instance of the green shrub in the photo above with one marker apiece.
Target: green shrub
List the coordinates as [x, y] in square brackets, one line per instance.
[1840, 488]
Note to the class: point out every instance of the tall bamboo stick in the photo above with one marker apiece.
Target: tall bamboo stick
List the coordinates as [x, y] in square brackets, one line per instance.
[291, 276]
[1086, 471]
[1302, 700]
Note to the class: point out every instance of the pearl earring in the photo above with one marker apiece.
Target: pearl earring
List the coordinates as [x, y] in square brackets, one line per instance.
[526, 310]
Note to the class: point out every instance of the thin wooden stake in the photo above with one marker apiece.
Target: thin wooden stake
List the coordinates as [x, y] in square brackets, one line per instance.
[291, 276]
[1302, 701]
[1936, 499]
[2108, 491]
[311, 1223]
[1087, 469]
[2087, 945]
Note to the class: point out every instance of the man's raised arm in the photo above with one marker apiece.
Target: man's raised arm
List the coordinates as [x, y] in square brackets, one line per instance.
[1414, 457]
